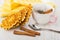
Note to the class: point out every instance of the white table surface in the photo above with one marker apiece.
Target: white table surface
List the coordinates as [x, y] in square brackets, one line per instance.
[45, 35]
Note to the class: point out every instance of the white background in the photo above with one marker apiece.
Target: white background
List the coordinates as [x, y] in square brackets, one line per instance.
[45, 35]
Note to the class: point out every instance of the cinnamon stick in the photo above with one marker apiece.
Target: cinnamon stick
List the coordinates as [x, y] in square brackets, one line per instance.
[49, 11]
[30, 31]
[23, 33]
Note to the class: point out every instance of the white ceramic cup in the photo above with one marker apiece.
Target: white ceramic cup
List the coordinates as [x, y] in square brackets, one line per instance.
[43, 18]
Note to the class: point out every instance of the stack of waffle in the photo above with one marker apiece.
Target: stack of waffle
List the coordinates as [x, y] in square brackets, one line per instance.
[18, 16]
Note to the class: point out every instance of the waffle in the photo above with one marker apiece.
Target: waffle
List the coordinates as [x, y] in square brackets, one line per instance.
[27, 16]
[23, 14]
[18, 17]
[11, 20]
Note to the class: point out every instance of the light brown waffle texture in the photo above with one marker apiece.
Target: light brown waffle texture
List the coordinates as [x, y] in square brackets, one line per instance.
[17, 18]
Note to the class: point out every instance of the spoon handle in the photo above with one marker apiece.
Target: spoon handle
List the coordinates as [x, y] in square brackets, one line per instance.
[43, 29]
[49, 30]
[53, 30]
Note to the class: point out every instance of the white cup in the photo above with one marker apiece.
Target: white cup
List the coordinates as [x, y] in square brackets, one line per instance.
[43, 18]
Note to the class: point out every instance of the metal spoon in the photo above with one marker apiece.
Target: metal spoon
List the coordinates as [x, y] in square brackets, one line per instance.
[43, 29]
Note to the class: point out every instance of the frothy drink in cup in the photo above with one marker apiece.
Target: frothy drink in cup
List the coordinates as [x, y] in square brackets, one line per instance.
[42, 13]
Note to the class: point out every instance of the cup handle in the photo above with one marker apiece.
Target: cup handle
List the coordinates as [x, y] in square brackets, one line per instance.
[53, 19]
